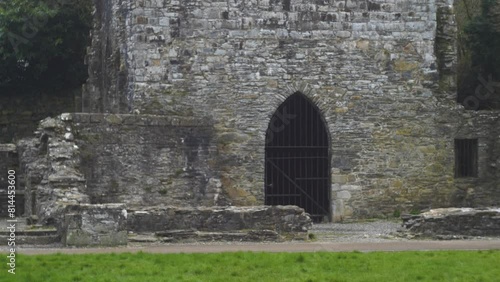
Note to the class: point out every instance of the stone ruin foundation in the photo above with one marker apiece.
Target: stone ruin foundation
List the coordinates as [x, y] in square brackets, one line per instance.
[109, 224]
[454, 223]
[65, 190]
[182, 99]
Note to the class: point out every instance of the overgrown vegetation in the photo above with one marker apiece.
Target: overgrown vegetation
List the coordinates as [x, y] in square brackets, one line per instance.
[320, 266]
[478, 25]
[42, 45]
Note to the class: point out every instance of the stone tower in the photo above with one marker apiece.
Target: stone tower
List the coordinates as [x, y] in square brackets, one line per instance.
[346, 108]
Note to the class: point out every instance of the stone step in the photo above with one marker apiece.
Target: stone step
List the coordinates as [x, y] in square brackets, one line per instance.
[32, 237]
[33, 240]
[33, 233]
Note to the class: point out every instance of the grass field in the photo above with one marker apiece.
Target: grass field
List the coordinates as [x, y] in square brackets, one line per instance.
[246, 266]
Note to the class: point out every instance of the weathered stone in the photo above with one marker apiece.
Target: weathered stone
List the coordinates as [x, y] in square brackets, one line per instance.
[455, 222]
[69, 136]
[66, 117]
[51, 123]
[51, 168]
[289, 222]
[382, 76]
[142, 238]
[5, 148]
[202, 93]
[197, 236]
[94, 225]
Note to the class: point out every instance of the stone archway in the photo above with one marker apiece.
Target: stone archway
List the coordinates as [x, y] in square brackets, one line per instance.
[297, 158]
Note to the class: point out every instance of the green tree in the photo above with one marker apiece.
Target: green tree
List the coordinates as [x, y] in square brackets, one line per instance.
[483, 39]
[42, 44]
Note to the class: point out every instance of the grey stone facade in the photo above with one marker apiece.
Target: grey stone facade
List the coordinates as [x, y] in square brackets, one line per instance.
[382, 74]
[455, 222]
[284, 222]
[94, 225]
[181, 94]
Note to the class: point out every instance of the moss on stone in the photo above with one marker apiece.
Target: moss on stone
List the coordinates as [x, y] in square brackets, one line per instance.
[401, 65]
[113, 119]
[431, 149]
[114, 186]
[78, 238]
[153, 107]
[232, 137]
[397, 184]
[89, 137]
[404, 131]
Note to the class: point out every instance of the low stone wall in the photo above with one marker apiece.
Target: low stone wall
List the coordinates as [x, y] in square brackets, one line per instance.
[50, 163]
[455, 221]
[290, 222]
[94, 225]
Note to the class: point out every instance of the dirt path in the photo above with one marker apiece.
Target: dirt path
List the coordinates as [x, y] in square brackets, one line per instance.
[332, 237]
[493, 244]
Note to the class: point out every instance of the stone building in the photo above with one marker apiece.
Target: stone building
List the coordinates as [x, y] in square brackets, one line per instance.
[345, 108]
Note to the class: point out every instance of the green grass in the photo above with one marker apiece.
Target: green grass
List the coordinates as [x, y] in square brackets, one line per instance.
[246, 266]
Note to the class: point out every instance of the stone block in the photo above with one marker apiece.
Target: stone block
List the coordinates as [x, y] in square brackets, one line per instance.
[290, 222]
[94, 225]
[96, 118]
[342, 178]
[455, 221]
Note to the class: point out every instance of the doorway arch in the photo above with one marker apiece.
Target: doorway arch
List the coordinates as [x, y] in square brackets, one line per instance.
[297, 162]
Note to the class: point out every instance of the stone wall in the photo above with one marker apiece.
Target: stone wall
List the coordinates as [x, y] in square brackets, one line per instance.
[382, 74]
[50, 163]
[109, 224]
[147, 160]
[288, 221]
[139, 160]
[106, 60]
[94, 225]
[455, 222]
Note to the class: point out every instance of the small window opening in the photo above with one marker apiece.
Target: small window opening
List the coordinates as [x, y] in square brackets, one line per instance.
[466, 158]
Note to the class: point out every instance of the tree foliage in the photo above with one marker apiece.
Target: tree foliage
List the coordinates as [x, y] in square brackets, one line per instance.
[483, 39]
[478, 69]
[42, 44]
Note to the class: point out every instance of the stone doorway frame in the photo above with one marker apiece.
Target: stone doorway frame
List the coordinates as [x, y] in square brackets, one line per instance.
[308, 156]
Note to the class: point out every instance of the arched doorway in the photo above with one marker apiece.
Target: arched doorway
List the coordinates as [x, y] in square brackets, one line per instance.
[297, 158]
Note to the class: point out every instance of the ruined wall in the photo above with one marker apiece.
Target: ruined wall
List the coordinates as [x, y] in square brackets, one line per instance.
[454, 223]
[381, 73]
[106, 60]
[140, 161]
[94, 225]
[50, 162]
[147, 160]
[288, 221]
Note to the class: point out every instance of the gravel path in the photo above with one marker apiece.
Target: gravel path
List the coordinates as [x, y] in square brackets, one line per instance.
[283, 247]
[375, 231]
[332, 237]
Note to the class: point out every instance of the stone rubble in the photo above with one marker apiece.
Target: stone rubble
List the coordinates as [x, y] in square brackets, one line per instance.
[454, 223]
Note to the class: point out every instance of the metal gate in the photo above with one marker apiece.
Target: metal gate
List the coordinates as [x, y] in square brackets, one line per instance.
[297, 158]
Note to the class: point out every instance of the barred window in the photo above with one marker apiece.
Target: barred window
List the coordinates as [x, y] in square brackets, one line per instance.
[466, 158]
